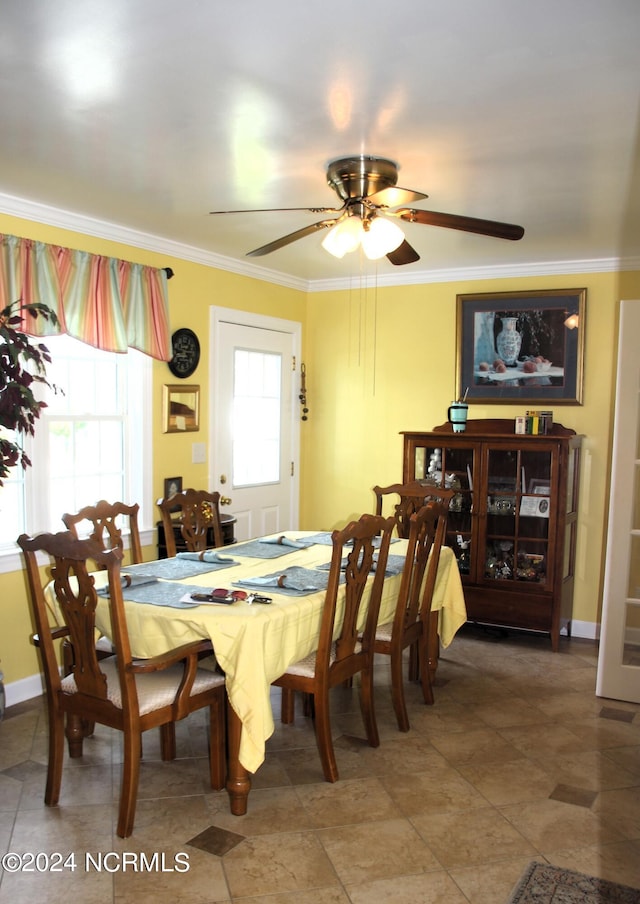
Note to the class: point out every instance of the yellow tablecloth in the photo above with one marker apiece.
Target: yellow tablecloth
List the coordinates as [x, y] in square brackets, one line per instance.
[255, 644]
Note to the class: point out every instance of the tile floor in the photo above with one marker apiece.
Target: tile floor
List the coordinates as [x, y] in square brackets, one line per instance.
[517, 760]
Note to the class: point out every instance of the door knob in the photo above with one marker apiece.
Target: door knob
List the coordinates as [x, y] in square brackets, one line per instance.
[225, 500]
[223, 478]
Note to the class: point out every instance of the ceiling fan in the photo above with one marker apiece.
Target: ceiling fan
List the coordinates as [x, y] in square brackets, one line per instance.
[371, 202]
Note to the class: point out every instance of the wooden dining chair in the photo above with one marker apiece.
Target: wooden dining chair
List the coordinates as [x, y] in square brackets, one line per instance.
[105, 520]
[411, 624]
[196, 512]
[342, 650]
[130, 695]
[411, 497]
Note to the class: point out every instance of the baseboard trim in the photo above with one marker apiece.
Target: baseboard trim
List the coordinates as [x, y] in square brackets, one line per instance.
[33, 686]
[24, 689]
[585, 630]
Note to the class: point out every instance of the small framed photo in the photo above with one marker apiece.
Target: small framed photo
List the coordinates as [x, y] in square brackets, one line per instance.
[539, 487]
[172, 486]
[181, 408]
[521, 346]
[534, 507]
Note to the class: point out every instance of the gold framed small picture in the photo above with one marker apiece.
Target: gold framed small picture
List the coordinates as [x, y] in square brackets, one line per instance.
[181, 408]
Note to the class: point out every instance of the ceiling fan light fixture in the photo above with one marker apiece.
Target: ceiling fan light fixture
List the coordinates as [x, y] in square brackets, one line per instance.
[344, 237]
[381, 238]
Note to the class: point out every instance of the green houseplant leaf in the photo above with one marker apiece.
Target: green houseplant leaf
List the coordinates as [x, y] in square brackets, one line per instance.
[23, 361]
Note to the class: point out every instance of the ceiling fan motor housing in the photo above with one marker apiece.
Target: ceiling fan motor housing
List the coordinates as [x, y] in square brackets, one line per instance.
[358, 177]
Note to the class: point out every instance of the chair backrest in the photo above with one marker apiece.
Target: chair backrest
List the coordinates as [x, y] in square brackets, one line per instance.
[354, 556]
[195, 512]
[104, 517]
[426, 533]
[412, 497]
[76, 598]
[441, 508]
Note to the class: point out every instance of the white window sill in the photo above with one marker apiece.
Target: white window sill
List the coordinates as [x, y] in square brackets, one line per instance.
[11, 559]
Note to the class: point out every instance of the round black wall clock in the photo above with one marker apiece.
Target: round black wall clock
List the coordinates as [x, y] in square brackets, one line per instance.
[186, 353]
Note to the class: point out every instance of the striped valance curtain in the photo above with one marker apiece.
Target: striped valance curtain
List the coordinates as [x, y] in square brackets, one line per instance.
[108, 303]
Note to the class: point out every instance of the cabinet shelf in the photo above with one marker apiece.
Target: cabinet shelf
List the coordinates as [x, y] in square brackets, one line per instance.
[515, 509]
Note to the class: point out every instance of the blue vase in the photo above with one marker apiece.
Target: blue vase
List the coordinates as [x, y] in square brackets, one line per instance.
[509, 340]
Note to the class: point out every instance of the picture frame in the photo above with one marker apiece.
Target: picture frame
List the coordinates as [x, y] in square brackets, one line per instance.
[181, 408]
[534, 507]
[521, 346]
[539, 487]
[172, 486]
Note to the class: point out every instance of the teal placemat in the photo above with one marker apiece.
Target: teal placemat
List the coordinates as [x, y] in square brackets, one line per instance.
[395, 565]
[269, 549]
[324, 539]
[161, 593]
[178, 567]
[296, 581]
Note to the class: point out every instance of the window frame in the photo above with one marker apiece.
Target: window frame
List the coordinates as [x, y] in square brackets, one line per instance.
[138, 457]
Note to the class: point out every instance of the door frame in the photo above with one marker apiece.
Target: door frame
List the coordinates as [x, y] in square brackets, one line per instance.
[219, 315]
[614, 679]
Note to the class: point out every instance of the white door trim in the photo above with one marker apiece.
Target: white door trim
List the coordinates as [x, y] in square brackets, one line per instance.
[617, 679]
[218, 315]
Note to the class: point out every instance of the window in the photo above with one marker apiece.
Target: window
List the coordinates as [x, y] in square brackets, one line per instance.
[256, 431]
[92, 442]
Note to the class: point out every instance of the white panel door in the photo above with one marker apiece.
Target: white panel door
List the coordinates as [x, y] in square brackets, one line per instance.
[254, 420]
[619, 654]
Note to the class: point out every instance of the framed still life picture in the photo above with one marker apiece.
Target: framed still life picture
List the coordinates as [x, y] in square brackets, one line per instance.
[521, 346]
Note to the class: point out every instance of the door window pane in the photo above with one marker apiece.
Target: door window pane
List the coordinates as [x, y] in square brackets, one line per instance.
[256, 433]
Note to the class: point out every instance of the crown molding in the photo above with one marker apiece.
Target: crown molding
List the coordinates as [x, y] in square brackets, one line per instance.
[464, 274]
[75, 222]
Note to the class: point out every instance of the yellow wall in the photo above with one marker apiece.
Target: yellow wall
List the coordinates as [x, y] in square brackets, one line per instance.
[192, 291]
[381, 361]
[378, 361]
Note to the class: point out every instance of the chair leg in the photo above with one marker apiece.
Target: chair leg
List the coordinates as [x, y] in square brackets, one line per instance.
[167, 741]
[414, 665]
[324, 739]
[75, 732]
[425, 672]
[287, 704]
[129, 788]
[367, 706]
[397, 691]
[217, 745]
[56, 757]
[68, 662]
[425, 677]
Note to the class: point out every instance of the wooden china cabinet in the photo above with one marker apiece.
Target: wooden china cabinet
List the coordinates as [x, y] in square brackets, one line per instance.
[513, 521]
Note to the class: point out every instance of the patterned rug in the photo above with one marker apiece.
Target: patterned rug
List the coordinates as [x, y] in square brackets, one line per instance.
[542, 883]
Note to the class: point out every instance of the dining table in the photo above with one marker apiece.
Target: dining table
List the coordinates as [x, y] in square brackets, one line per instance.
[255, 642]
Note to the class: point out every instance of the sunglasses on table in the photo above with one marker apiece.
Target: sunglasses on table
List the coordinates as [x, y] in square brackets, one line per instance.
[221, 595]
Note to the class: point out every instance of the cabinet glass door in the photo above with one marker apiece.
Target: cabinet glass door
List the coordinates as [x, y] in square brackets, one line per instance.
[518, 496]
[452, 468]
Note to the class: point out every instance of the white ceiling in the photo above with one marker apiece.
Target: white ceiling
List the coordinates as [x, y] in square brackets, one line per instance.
[148, 114]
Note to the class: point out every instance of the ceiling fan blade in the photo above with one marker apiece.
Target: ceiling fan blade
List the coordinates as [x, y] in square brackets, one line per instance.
[292, 237]
[404, 254]
[213, 213]
[465, 224]
[393, 195]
